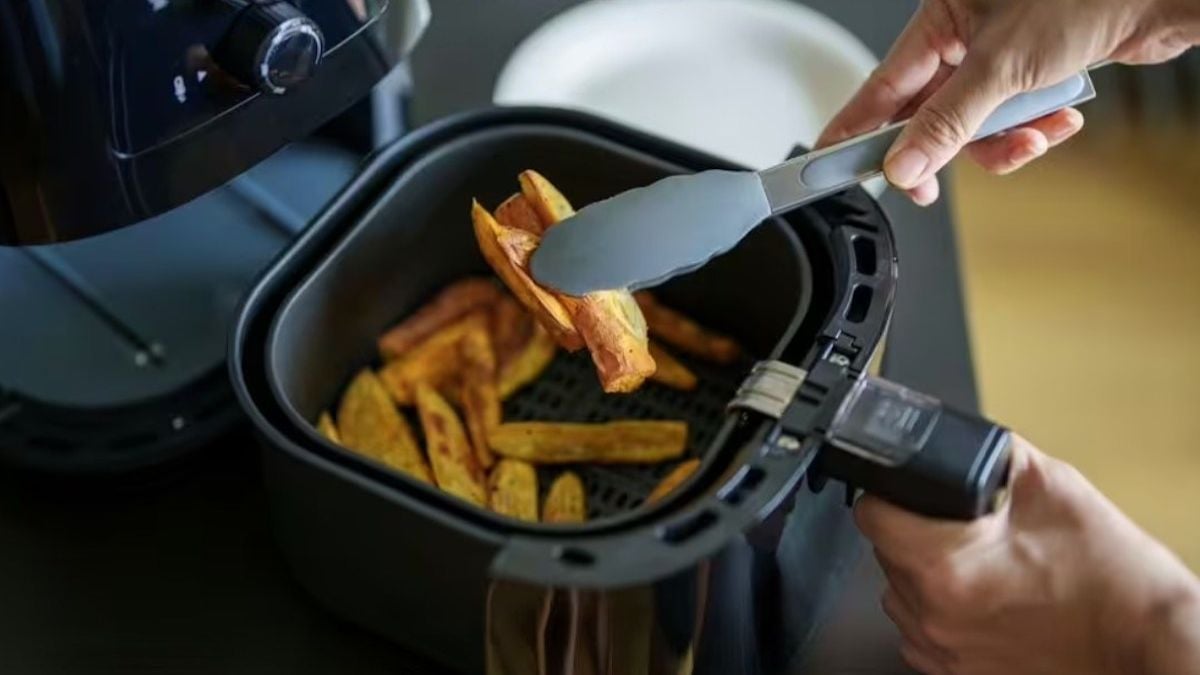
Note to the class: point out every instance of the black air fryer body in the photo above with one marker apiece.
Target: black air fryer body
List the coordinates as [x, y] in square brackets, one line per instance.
[113, 111]
[730, 574]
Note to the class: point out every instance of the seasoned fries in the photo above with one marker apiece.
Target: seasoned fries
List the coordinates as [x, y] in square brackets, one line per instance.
[480, 401]
[686, 335]
[454, 464]
[527, 365]
[547, 202]
[630, 442]
[454, 302]
[328, 429]
[510, 327]
[671, 372]
[610, 322]
[370, 424]
[472, 346]
[513, 490]
[507, 250]
[673, 480]
[516, 212]
[435, 361]
[566, 501]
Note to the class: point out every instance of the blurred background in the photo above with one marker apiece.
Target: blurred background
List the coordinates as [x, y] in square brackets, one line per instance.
[1082, 280]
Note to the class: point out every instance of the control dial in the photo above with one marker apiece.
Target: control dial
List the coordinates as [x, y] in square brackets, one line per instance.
[272, 46]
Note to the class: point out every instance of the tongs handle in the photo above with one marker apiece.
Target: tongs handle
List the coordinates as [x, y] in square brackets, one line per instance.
[833, 169]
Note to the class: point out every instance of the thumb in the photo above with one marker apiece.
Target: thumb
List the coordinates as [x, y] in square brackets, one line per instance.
[945, 123]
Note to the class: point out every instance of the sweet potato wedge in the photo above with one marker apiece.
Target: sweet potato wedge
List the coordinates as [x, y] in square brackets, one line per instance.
[370, 425]
[328, 429]
[454, 466]
[507, 251]
[513, 490]
[631, 442]
[479, 398]
[686, 335]
[566, 501]
[673, 480]
[516, 212]
[547, 202]
[609, 321]
[671, 372]
[511, 327]
[453, 302]
[436, 361]
[527, 365]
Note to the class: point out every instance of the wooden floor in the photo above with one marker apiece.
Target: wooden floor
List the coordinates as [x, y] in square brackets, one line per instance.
[1083, 289]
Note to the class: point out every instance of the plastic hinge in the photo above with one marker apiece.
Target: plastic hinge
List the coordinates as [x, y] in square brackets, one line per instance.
[769, 389]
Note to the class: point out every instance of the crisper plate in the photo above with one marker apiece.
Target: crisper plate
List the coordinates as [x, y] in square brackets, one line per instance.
[568, 391]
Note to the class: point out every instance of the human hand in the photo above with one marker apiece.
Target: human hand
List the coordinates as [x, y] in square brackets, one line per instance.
[958, 60]
[1057, 581]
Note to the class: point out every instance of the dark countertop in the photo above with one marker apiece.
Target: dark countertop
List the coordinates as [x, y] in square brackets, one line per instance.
[184, 578]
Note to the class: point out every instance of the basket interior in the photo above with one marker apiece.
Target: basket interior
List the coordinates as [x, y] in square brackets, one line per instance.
[418, 238]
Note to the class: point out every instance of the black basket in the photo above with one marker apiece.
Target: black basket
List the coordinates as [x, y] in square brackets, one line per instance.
[741, 555]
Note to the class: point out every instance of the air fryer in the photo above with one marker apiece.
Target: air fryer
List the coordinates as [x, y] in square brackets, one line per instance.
[730, 574]
[144, 141]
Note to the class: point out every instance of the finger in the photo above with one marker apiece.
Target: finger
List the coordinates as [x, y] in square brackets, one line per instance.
[909, 540]
[926, 193]
[904, 72]
[1004, 153]
[909, 625]
[1007, 152]
[920, 661]
[900, 582]
[945, 123]
[943, 73]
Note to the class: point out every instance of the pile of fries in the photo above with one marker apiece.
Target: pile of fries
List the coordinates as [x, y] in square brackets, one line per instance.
[473, 346]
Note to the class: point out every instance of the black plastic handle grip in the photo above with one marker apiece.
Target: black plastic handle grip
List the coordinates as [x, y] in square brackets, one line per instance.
[913, 451]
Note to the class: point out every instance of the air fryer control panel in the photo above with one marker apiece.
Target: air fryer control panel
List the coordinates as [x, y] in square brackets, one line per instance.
[175, 64]
[114, 111]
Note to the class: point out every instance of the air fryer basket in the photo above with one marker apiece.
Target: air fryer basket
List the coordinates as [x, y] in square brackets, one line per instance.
[731, 571]
[405, 250]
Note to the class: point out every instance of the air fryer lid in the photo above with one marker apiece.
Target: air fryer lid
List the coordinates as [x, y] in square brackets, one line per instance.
[392, 240]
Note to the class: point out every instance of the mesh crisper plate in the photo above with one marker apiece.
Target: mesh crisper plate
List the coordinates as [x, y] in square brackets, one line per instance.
[569, 392]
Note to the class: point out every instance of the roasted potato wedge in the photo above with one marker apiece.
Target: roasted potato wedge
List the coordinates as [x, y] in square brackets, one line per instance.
[436, 361]
[547, 202]
[370, 424]
[516, 212]
[686, 335]
[511, 327]
[513, 490]
[527, 365]
[452, 303]
[670, 371]
[630, 442]
[673, 480]
[566, 501]
[328, 429]
[479, 398]
[454, 466]
[609, 321]
[507, 250]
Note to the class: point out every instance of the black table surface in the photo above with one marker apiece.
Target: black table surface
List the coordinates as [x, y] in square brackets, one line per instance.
[184, 578]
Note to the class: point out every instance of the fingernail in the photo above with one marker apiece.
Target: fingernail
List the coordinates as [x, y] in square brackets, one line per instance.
[905, 168]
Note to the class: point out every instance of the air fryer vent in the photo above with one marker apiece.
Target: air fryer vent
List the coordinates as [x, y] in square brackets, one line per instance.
[568, 392]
